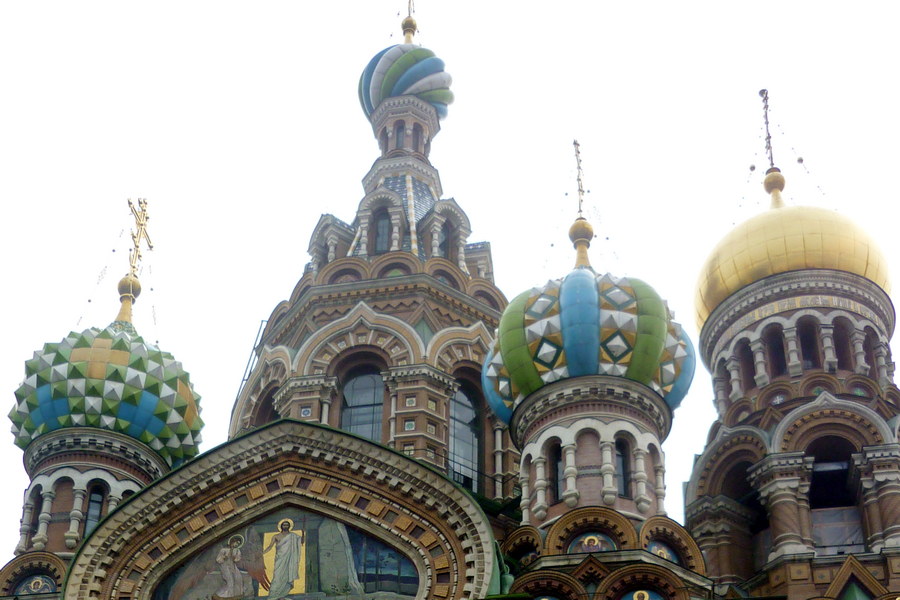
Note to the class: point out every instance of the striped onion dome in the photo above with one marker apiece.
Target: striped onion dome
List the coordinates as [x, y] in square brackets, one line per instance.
[405, 69]
[586, 324]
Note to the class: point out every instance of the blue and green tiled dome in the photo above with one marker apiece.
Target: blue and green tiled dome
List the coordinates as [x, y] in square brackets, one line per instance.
[586, 324]
[405, 69]
[110, 379]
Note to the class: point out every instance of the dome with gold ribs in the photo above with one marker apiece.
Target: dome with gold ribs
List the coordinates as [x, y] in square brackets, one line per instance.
[405, 69]
[783, 239]
[586, 324]
[110, 379]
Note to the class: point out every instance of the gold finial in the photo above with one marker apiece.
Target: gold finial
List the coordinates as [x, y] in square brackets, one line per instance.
[581, 233]
[774, 181]
[129, 286]
[409, 23]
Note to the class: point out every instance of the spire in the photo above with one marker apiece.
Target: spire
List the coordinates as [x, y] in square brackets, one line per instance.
[129, 286]
[409, 23]
[774, 181]
[581, 233]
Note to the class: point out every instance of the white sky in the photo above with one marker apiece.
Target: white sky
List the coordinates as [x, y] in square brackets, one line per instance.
[239, 121]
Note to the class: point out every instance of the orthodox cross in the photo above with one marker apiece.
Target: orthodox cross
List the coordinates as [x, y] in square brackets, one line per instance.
[580, 175]
[764, 94]
[140, 219]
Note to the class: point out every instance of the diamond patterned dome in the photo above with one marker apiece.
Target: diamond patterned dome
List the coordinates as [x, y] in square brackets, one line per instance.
[587, 324]
[110, 379]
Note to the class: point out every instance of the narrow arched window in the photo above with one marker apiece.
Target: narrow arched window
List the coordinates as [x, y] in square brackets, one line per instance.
[417, 138]
[556, 472]
[444, 239]
[382, 232]
[464, 433]
[843, 345]
[808, 332]
[869, 344]
[773, 338]
[362, 404]
[745, 360]
[399, 134]
[96, 496]
[623, 468]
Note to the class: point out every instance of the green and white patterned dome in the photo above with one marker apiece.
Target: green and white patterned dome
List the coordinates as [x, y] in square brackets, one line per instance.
[110, 379]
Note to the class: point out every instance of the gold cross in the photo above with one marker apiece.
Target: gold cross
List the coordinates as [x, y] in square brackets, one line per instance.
[580, 174]
[140, 219]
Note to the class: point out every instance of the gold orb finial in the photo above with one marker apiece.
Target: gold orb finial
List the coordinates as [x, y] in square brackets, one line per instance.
[409, 29]
[774, 185]
[581, 233]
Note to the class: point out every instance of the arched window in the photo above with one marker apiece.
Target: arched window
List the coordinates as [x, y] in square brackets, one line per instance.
[745, 360]
[776, 359]
[723, 378]
[382, 229]
[417, 138]
[363, 403]
[444, 240]
[96, 497]
[808, 332]
[464, 434]
[843, 345]
[869, 345]
[837, 527]
[755, 538]
[556, 478]
[399, 134]
[383, 141]
[623, 468]
[264, 411]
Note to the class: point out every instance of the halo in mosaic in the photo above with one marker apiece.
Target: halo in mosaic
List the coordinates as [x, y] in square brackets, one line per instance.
[405, 69]
[586, 324]
[110, 379]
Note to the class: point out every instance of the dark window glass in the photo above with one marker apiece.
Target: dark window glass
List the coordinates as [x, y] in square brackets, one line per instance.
[362, 405]
[623, 472]
[444, 241]
[95, 506]
[556, 477]
[382, 232]
[464, 440]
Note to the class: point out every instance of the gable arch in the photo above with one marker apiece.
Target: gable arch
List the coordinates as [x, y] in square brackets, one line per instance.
[741, 444]
[611, 522]
[665, 529]
[274, 372]
[828, 415]
[393, 336]
[454, 344]
[289, 464]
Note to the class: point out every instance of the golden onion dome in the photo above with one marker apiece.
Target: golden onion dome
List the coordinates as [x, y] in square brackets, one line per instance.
[783, 239]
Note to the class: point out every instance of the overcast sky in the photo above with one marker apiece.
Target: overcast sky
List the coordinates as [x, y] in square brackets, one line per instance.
[239, 122]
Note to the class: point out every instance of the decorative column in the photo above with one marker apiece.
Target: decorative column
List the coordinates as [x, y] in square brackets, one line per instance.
[364, 237]
[660, 472]
[719, 388]
[112, 502]
[39, 541]
[830, 362]
[332, 247]
[435, 238]
[395, 231]
[641, 499]
[859, 351]
[461, 255]
[540, 487]
[879, 470]
[795, 365]
[570, 495]
[498, 458]
[881, 367]
[761, 376]
[777, 478]
[525, 503]
[75, 517]
[609, 492]
[25, 527]
[734, 371]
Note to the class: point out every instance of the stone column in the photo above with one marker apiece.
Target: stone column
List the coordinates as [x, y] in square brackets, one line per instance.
[734, 371]
[830, 361]
[75, 517]
[363, 243]
[435, 239]
[881, 366]
[761, 376]
[778, 479]
[39, 541]
[25, 527]
[395, 231]
[525, 503]
[641, 499]
[461, 255]
[332, 247]
[570, 495]
[610, 491]
[795, 364]
[660, 473]
[721, 397]
[859, 351]
[874, 539]
[498, 459]
[540, 487]
[112, 502]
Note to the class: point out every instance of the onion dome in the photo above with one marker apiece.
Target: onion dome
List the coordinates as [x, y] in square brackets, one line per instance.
[782, 239]
[405, 69]
[110, 379]
[586, 324]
